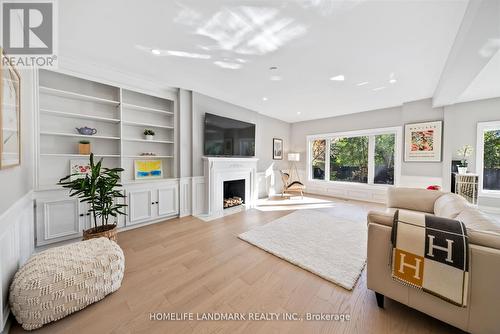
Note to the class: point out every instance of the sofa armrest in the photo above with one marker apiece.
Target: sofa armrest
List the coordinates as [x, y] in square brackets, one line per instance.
[381, 217]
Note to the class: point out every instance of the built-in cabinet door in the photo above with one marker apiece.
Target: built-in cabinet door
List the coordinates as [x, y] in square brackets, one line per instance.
[168, 203]
[57, 220]
[140, 205]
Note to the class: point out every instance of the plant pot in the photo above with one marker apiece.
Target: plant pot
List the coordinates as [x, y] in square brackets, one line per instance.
[84, 149]
[462, 170]
[104, 231]
[150, 137]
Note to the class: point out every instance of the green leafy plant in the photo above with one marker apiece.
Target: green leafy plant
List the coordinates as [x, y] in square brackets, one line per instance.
[99, 189]
[149, 132]
[84, 142]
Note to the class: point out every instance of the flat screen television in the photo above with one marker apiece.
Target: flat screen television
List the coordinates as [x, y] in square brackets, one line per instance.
[226, 137]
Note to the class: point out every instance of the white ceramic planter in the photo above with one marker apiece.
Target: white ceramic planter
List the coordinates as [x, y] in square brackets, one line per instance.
[462, 170]
[150, 137]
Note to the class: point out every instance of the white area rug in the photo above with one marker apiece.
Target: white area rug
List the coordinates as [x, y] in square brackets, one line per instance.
[330, 243]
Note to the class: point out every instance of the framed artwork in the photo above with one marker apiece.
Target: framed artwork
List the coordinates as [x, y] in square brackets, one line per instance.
[10, 115]
[80, 168]
[423, 141]
[148, 169]
[277, 149]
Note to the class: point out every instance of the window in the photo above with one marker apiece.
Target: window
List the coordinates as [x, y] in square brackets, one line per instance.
[318, 148]
[349, 159]
[384, 158]
[367, 157]
[488, 157]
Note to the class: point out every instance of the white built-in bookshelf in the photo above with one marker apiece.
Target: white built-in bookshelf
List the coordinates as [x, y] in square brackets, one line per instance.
[120, 117]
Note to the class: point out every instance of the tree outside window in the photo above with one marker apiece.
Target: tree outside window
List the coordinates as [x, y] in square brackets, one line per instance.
[318, 159]
[349, 159]
[491, 160]
[384, 159]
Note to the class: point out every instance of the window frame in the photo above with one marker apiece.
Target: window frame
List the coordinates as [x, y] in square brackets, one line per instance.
[482, 127]
[370, 133]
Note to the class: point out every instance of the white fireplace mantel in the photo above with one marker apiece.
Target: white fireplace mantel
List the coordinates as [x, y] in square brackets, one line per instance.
[218, 169]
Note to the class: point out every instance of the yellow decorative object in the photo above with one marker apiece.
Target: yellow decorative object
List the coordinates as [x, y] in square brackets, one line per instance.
[148, 169]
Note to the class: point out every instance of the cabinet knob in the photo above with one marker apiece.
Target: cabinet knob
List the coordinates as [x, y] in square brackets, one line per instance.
[156, 202]
[82, 214]
[153, 203]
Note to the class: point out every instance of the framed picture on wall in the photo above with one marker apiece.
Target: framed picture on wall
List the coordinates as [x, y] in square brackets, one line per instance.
[10, 115]
[423, 142]
[277, 149]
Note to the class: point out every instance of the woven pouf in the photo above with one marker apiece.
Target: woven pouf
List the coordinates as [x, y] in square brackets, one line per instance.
[62, 280]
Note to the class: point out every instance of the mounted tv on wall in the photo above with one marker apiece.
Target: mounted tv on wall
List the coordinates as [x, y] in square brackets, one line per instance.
[226, 137]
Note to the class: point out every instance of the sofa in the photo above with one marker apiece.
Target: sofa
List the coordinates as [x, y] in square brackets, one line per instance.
[482, 315]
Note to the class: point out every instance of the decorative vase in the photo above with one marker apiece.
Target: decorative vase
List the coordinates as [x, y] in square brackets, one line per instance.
[150, 137]
[106, 231]
[84, 149]
[462, 170]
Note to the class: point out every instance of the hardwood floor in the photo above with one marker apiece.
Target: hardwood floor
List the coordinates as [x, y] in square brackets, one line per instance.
[187, 265]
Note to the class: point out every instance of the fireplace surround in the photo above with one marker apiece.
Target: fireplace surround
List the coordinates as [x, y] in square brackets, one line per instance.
[217, 170]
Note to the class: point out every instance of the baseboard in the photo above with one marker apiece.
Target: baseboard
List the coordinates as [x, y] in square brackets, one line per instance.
[490, 209]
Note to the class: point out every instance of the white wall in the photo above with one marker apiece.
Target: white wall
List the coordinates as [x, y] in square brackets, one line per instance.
[267, 128]
[16, 204]
[411, 112]
[460, 128]
[16, 182]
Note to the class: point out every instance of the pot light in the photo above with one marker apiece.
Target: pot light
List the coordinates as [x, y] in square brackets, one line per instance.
[378, 88]
[156, 52]
[298, 112]
[275, 78]
[392, 81]
[264, 98]
[362, 83]
[338, 78]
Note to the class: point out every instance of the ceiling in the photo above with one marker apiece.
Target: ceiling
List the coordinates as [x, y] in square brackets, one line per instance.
[226, 49]
[486, 84]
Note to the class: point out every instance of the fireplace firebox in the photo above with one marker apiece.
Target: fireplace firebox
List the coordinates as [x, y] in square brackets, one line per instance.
[234, 193]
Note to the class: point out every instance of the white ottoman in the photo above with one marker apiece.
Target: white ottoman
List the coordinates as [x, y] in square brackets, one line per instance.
[62, 280]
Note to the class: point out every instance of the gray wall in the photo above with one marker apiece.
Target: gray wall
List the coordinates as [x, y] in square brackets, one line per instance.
[267, 128]
[411, 112]
[460, 128]
[17, 181]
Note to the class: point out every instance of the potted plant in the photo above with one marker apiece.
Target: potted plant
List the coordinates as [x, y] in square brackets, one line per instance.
[150, 134]
[84, 147]
[100, 189]
[463, 153]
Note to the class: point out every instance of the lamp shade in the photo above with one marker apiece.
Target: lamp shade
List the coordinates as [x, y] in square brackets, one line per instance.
[293, 156]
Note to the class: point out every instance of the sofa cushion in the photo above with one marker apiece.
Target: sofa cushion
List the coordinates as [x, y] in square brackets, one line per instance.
[412, 199]
[449, 206]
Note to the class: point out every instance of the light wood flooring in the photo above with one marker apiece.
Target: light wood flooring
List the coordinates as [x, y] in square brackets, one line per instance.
[187, 265]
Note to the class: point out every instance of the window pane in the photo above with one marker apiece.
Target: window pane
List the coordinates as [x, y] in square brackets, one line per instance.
[384, 159]
[491, 160]
[349, 159]
[318, 159]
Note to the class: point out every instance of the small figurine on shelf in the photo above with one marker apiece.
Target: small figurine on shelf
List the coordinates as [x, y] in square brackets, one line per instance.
[150, 134]
[86, 131]
[463, 153]
[84, 147]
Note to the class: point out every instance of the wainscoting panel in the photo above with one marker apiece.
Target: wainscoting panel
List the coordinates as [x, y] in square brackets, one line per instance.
[185, 197]
[16, 245]
[198, 195]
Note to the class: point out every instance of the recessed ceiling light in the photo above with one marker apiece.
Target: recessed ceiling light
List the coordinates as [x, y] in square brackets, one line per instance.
[338, 78]
[362, 83]
[392, 79]
[378, 88]
[298, 113]
[155, 52]
[275, 78]
[264, 98]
